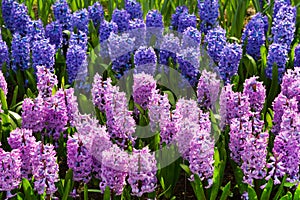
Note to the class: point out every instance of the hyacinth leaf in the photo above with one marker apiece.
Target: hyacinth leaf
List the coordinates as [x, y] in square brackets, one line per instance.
[31, 78]
[216, 176]
[20, 196]
[68, 184]
[186, 169]
[28, 190]
[267, 190]
[142, 111]
[170, 97]
[3, 101]
[198, 188]
[256, 4]
[280, 189]
[263, 54]
[226, 191]
[274, 86]
[15, 117]
[288, 196]
[85, 192]
[297, 193]
[15, 96]
[238, 19]
[106, 195]
[251, 65]
[252, 194]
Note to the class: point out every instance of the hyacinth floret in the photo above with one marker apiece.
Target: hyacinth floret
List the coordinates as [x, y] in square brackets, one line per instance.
[20, 52]
[80, 20]
[54, 34]
[215, 41]
[180, 10]
[96, 13]
[145, 60]
[134, 9]
[121, 18]
[208, 12]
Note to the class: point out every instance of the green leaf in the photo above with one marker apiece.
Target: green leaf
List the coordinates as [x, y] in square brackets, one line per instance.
[106, 195]
[280, 189]
[216, 175]
[198, 188]
[226, 191]
[29, 193]
[251, 193]
[297, 193]
[3, 101]
[267, 190]
[186, 169]
[15, 96]
[288, 196]
[67, 189]
[16, 117]
[85, 192]
[170, 97]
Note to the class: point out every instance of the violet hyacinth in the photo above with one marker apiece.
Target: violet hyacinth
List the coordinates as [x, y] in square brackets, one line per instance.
[137, 29]
[20, 52]
[170, 45]
[43, 54]
[145, 60]
[46, 80]
[254, 35]
[229, 61]
[180, 10]
[54, 34]
[278, 4]
[121, 18]
[79, 159]
[208, 12]
[290, 84]
[215, 41]
[185, 21]
[134, 9]
[142, 172]
[144, 90]
[7, 14]
[71, 105]
[20, 18]
[114, 169]
[208, 89]
[3, 83]
[96, 13]
[297, 56]
[10, 170]
[278, 54]
[4, 54]
[62, 13]
[154, 27]
[45, 170]
[80, 20]
[283, 26]
[191, 37]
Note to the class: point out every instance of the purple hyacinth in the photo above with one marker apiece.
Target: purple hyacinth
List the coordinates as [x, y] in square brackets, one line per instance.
[137, 29]
[191, 38]
[188, 60]
[45, 81]
[72, 105]
[36, 30]
[285, 159]
[145, 60]
[154, 27]
[10, 170]
[144, 90]
[215, 41]
[43, 54]
[208, 12]
[278, 54]
[180, 10]
[3, 83]
[32, 115]
[169, 47]
[185, 21]
[7, 13]
[76, 63]
[208, 89]
[80, 39]
[278, 4]
[79, 159]
[20, 19]
[114, 169]
[25, 142]
[54, 34]
[20, 52]
[96, 13]
[142, 172]
[106, 28]
[4, 54]
[254, 35]
[154, 19]
[229, 61]
[121, 18]
[80, 20]
[45, 170]
[297, 56]
[290, 84]
[283, 26]
[256, 92]
[134, 9]
[98, 92]
[62, 13]
[280, 104]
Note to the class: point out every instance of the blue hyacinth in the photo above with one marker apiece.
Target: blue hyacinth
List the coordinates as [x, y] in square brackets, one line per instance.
[254, 35]
[185, 21]
[96, 14]
[20, 51]
[191, 38]
[80, 39]
[20, 19]
[229, 61]
[297, 56]
[278, 4]
[137, 29]
[62, 13]
[106, 28]
[7, 6]
[134, 9]
[121, 18]
[145, 60]
[154, 27]
[180, 10]
[54, 34]
[215, 41]
[43, 54]
[278, 54]
[169, 47]
[208, 12]
[4, 54]
[80, 20]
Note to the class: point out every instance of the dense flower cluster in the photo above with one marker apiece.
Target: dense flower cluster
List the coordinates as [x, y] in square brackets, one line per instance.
[169, 47]
[20, 51]
[80, 20]
[134, 9]
[121, 18]
[137, 29]
[145, 60]
[297, 56]
[191, 37]
[54, 34]
[215, 40]
[4, 55]
[185, 21]
[180, 10]
[208, 12]
[62, 13]
[96, 13]
[154, 27]
[43, 54]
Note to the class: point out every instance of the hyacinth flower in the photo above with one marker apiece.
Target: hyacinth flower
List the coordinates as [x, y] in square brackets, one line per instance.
[254, 35]
[114, 169]
[104, 32]
[36, 31]
[79, 38]
[79, 159]
[142, 172]
[180, 10]
[185, 21]
[43, 54]
[191, 38]
[121, 18]
[62, 14]
[54, 33]
[170, 45]
[297, 56]
[20, 19]
[7, 14]
[20, 52]
[154, 27]
[96, 13]
[145, 60]
[215, 40]
[283, 26]
[144, 90]
[3, 83]
[208, 12]
[4, 54]
[278, 4]
[10, 170]
[80, 20]
[45, 169]
[137, 29]
[208, 90]
[120, 49]
[285, 159]
[278, 54]
[134, 9]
